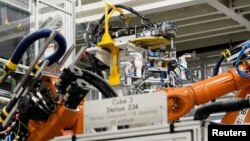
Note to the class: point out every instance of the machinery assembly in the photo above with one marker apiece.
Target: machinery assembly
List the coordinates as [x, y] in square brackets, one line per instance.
[138, 74]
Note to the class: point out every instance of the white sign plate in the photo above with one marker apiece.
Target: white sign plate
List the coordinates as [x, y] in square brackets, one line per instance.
[127, 110]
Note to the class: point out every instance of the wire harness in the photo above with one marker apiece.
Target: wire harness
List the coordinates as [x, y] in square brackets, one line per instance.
[245, 46]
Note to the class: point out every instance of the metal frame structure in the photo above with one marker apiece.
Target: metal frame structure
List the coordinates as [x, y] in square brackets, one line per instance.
[68, 27]
[227, 18]
[10, 26]
[18, 4]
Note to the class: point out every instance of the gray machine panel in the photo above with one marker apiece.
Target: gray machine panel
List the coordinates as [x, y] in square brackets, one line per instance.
[184, 131]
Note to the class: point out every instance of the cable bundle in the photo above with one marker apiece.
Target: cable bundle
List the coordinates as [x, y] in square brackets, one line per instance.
[245, 46]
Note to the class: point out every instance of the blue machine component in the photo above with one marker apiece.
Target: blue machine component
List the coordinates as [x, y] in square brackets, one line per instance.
[153, 53]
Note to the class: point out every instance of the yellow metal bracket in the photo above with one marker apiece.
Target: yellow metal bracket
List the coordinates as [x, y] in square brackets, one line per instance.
[108, 43]
[151, 42]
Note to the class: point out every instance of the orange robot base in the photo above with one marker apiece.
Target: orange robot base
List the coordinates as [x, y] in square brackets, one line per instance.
[63, 122]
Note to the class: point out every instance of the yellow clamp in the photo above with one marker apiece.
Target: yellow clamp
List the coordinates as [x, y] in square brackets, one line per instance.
[20, 26]
[226, 53]
[37, 67]
[5, 112]
[10, 65]
[1, 120]
[34, 71]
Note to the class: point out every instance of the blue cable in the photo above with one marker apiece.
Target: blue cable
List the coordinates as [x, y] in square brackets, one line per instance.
[186, 70]
[161, 83]
[176, 77]
[245, 46]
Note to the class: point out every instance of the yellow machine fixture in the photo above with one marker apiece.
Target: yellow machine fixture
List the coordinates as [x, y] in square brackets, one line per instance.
[108, 43]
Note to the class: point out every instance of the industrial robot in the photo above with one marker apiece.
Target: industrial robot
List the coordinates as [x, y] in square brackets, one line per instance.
[44, 106]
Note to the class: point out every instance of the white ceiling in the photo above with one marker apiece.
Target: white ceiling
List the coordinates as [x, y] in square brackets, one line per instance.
[201, 23]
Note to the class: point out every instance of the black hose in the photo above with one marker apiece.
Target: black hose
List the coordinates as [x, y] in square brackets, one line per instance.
[217, 66]
[100, 22]
[106, 93]
[72, 73]
[134, 12]
[90, 56]
[98, 67]
[100, 80]
[126, 8]
[123, 27]
[232, 50]
[221, 106]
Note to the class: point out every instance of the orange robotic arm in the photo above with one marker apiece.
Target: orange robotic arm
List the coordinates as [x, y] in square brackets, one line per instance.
[182, 100]
[68, 117]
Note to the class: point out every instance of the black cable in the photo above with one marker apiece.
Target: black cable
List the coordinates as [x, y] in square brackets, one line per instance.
[221, 106]
[232, 50]
[73, 72]
[100, 22]
[126, 8]
[216, 69]
[94, 64]
[98, 67]
[99, 79]
[119, 28]
[134, 12]
[99, 86]
[217, 66]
